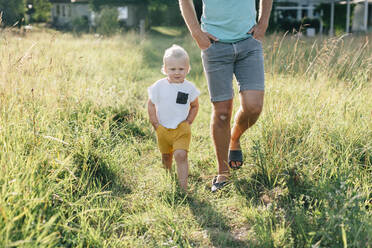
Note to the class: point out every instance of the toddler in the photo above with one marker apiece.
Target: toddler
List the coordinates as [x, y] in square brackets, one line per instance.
[172, 107]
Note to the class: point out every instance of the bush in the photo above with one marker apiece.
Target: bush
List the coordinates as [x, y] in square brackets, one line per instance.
[80, 25]
[290, 25]
[107, 23]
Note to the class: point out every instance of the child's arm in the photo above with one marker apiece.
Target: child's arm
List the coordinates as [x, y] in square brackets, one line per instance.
[194, 107]
[152, 114]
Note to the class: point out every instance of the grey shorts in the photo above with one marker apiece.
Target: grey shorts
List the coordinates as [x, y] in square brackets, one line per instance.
[244, 59]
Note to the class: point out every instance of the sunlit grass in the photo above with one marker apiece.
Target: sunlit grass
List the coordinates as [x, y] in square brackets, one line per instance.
[80, 167]
[170, 31]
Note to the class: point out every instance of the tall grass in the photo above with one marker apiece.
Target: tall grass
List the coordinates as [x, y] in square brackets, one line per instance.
[80, 167]
[346, 58]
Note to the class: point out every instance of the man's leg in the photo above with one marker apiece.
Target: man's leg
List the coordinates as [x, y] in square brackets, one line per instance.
[251, 103]
[166, 159]
[221, 134]
[182, 167]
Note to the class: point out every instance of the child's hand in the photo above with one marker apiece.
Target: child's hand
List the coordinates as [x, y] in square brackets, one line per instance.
[156, 125]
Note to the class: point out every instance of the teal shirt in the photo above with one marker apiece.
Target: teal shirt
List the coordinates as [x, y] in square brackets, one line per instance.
[228, 20]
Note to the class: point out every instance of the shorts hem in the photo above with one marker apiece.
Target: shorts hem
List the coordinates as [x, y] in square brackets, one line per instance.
[163, 152]
[180, 148]
[222, 98]
[251, 88]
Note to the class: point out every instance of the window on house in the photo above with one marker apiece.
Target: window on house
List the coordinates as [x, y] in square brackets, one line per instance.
[69, 10]
[58, 10]
[123, 13]
[63, 10]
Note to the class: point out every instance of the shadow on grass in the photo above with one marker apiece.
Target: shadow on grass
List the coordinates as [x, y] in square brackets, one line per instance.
[246, 189]
[290, 185]
[214, 223]
[268, 179]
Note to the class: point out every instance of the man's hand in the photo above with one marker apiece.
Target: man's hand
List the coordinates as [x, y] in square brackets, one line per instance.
[203, 39]
[258, 31]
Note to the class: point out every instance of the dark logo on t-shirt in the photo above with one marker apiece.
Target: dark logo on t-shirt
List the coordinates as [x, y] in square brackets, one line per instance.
[182, 97]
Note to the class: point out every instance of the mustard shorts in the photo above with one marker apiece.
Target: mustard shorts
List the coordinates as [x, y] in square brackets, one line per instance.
[170, 140]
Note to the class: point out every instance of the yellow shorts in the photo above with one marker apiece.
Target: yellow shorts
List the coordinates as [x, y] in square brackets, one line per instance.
[170, 140]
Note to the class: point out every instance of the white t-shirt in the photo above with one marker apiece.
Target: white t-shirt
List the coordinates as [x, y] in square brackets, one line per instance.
[172, 101]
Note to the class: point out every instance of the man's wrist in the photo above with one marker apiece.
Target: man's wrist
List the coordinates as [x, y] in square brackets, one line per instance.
[263, 23]
[195, 32]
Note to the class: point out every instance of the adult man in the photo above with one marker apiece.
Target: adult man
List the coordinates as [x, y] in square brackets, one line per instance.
[230, 41]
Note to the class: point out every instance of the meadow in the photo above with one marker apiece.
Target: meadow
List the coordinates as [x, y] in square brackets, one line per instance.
[79, 165]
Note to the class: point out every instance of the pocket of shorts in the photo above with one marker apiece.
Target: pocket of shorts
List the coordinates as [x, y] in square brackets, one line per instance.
[184, 126]
[188, 126]
[157, 129]
[260, 42]
[208, 47]
[184, 129]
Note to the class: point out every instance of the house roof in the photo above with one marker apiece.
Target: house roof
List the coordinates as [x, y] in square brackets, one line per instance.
[69, 1]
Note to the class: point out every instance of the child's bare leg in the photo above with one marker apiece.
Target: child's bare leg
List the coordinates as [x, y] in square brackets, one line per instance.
[182, 167]
[166, 159]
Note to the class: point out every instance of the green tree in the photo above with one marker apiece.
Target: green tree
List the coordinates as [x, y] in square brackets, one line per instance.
[12, 11]
[40, 11]
[166, 12]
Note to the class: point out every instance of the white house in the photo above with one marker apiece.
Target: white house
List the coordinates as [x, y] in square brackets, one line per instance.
[65, 11]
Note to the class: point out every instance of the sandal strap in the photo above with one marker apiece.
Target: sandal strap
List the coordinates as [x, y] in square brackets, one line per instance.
[227, 175]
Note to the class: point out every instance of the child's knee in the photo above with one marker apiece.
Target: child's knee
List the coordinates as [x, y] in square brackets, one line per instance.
[166, 156]
[180, 155]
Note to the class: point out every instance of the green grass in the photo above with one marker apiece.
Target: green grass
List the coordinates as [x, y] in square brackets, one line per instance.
[80, 166]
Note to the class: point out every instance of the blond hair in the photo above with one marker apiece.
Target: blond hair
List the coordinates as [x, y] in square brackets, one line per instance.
[175, 51]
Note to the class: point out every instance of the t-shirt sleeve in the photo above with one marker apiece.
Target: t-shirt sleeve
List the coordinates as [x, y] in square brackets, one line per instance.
[153, 93]
[194, 93]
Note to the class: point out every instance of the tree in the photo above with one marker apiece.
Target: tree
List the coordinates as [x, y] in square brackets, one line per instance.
[40, 11]
[12, 11]
[107, 23]
[166, 12]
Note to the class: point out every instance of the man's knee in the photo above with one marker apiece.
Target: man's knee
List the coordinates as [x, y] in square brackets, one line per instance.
[252, 109]
[222, 111]
[222, 115]
[223, 118]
